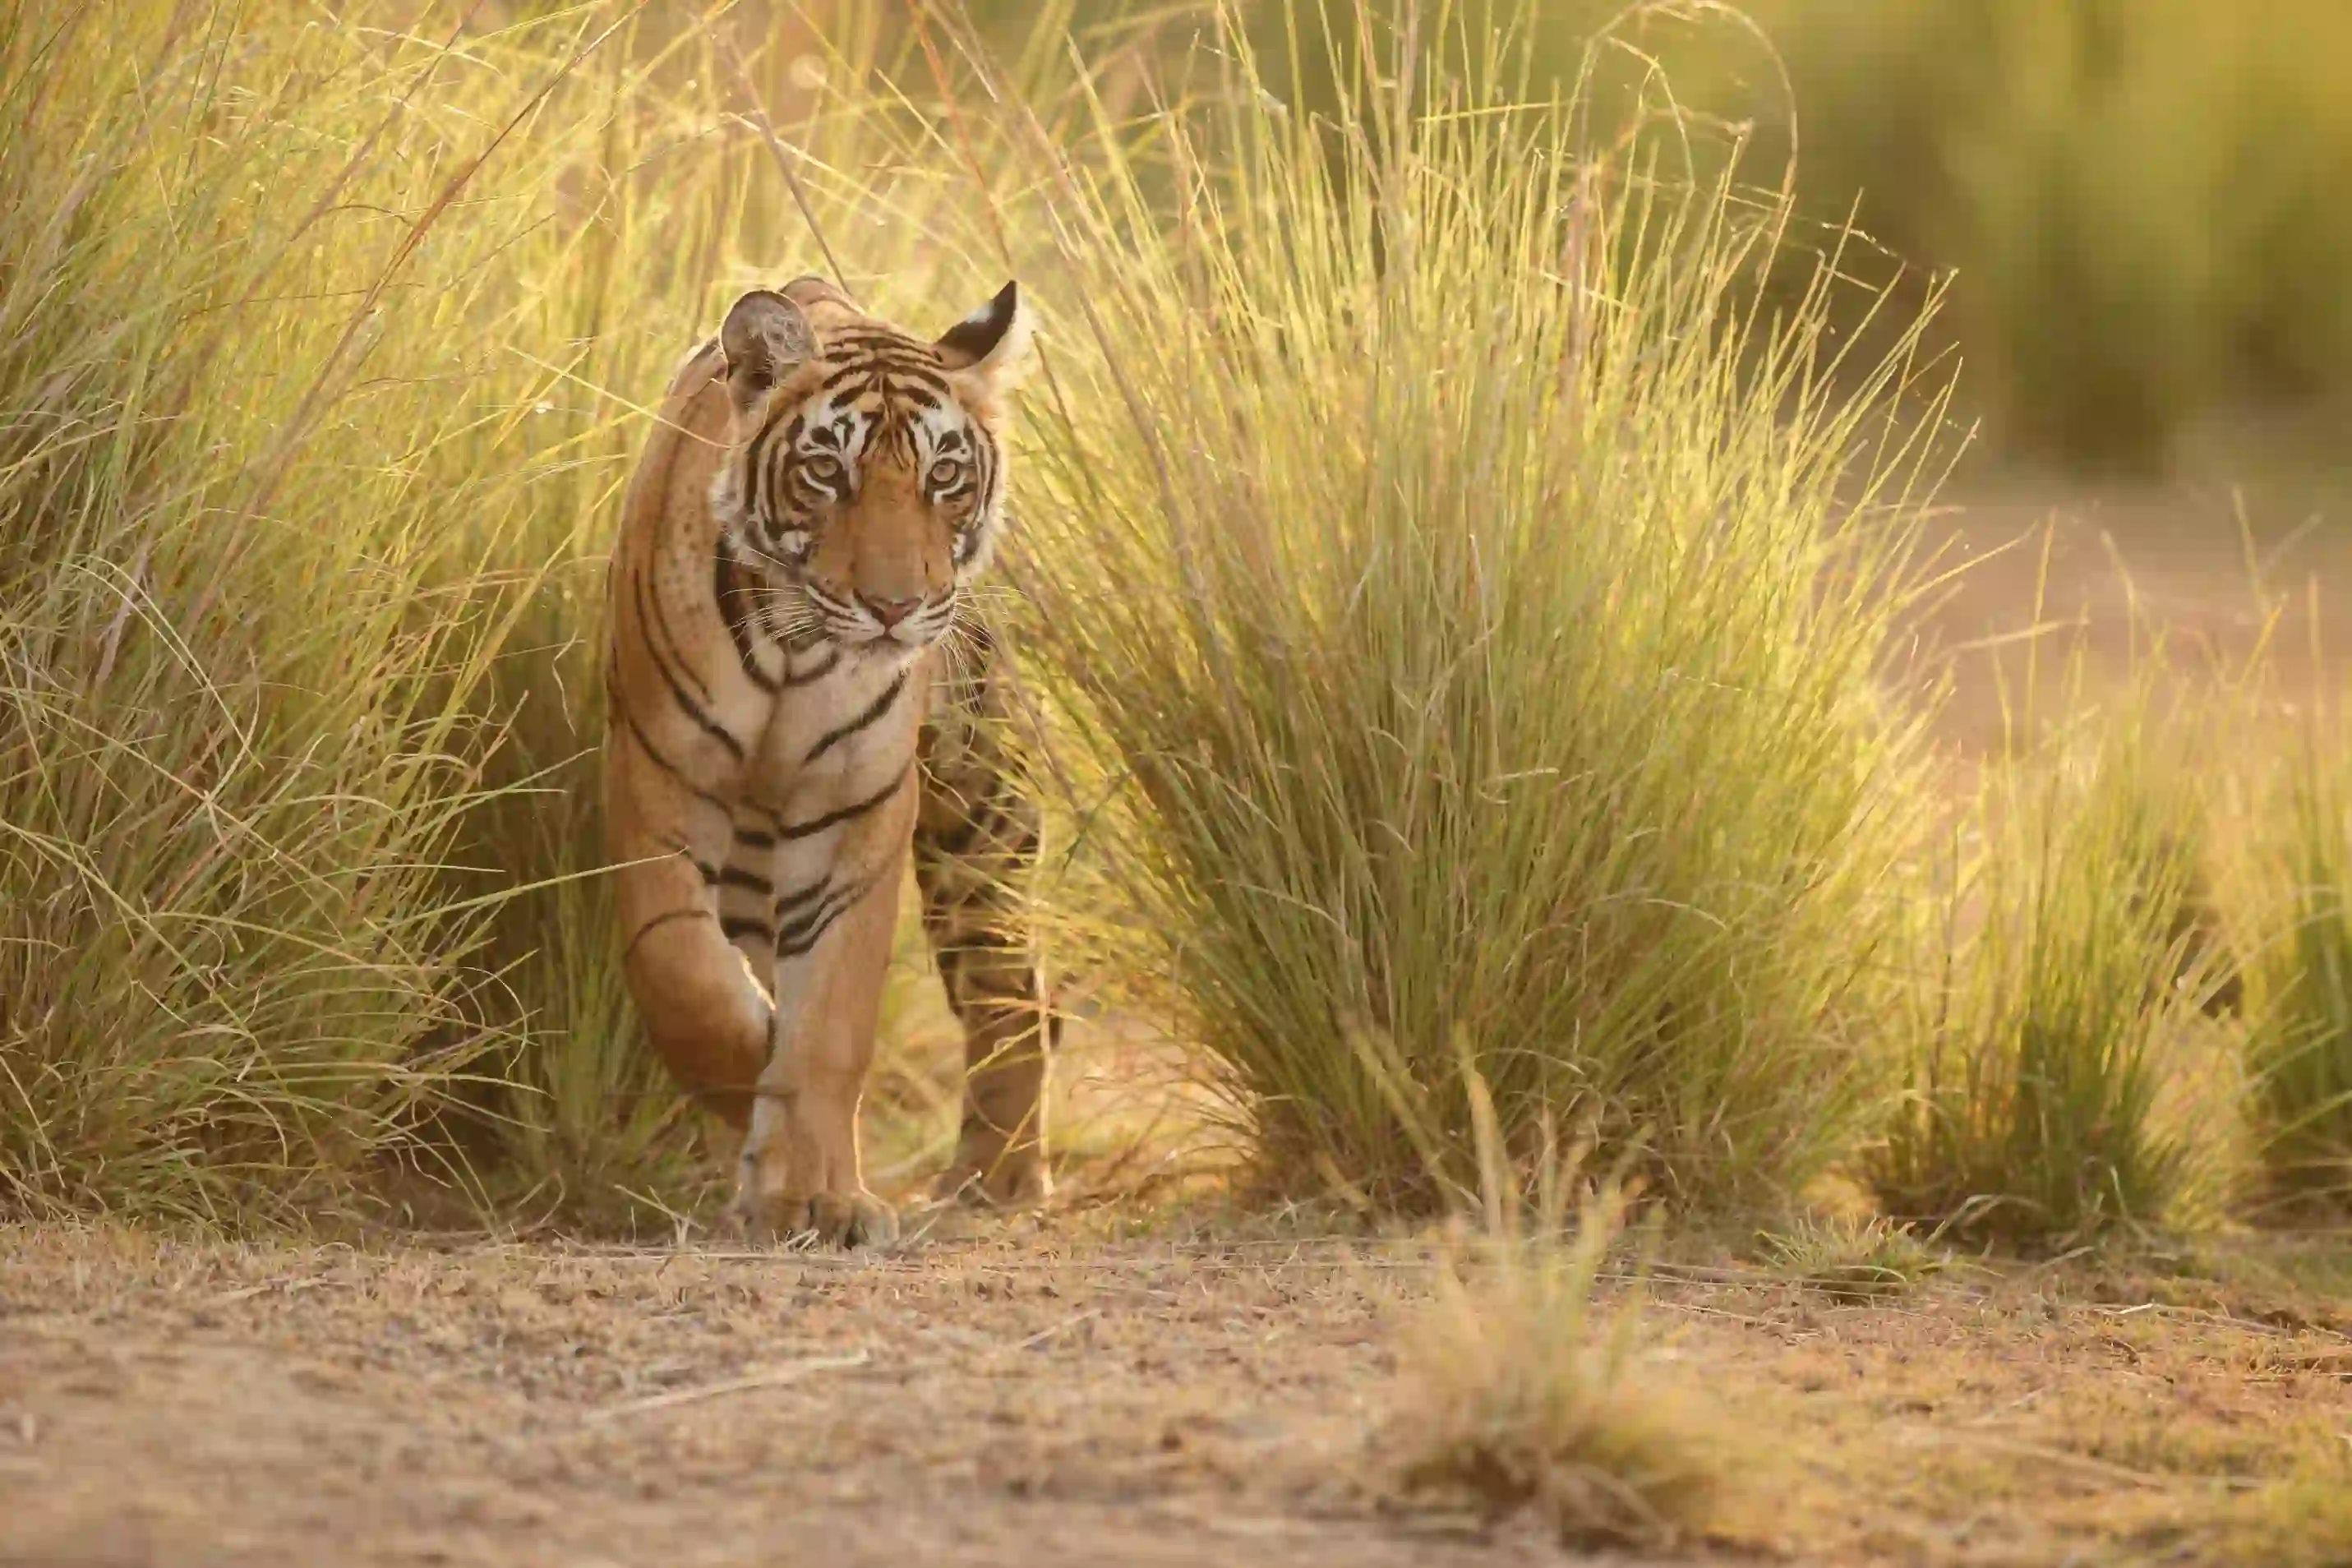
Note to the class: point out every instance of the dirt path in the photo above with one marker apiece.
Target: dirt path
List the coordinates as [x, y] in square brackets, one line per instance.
[1013, 1400]
[1043, 1397]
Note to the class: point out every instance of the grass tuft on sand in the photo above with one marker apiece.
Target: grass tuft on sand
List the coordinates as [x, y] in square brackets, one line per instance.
[2299, 984]
[1518, 1393]
[1848, 1258]
[2064, 962]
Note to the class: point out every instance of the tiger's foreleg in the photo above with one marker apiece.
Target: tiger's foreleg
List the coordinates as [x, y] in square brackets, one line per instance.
[799, 1174]
[976, 843]
[702, 1012]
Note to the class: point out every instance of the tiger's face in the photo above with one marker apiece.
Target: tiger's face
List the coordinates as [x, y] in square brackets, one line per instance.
[865, 479]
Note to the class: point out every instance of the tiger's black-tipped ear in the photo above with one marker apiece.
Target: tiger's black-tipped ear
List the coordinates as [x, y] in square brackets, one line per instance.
[991, 344]
[764, 336]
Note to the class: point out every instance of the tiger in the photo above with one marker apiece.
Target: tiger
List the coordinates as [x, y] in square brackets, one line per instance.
[800, 699]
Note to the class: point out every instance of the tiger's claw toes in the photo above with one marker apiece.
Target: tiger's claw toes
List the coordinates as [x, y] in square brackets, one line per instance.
[827, 1219]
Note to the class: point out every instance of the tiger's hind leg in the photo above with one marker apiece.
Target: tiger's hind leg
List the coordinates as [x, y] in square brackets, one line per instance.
[976, 840]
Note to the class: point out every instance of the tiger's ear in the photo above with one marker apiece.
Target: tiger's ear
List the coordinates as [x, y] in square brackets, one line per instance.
[764, 336]
[989, 347]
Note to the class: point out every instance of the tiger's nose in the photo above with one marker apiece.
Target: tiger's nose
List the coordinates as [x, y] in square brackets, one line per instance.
[889, 612]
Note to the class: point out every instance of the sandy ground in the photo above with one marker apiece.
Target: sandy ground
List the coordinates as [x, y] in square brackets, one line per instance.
[1050, 1394]
[1020, 1397]
[1048, 1390]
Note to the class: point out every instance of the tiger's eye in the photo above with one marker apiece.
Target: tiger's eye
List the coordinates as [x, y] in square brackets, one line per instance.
[944, 472]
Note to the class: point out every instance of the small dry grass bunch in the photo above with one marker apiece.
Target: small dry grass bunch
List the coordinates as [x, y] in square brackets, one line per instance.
[1850, 1259]
[1520, 1394]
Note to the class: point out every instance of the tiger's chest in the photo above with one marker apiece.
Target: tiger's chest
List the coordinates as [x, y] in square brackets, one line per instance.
[838, 737]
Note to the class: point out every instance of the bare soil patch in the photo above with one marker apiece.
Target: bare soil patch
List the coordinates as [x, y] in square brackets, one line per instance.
[1046, 1393]
[1024, 1395]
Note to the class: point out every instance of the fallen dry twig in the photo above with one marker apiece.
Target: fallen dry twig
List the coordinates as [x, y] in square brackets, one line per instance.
[792, 1371]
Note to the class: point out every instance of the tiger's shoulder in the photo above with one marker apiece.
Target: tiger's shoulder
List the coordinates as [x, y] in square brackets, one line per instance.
[671, 482]
[684, 665]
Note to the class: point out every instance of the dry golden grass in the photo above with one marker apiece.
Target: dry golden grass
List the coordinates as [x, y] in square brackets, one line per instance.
[1520, 1394]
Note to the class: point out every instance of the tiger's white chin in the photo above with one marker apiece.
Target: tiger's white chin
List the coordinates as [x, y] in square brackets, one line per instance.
[889, 644]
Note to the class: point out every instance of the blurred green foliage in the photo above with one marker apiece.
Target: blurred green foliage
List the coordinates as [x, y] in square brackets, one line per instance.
[2143, 200]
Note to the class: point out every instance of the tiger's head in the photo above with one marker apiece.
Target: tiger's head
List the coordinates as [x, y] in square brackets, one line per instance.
[865, 476]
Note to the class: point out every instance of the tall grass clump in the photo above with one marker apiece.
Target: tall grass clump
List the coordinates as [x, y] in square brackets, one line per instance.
[1470, 612]
[2299, 986]
[2066, 957]
[235, 734]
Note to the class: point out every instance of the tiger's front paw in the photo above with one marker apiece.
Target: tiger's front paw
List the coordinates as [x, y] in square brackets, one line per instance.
[830, 1219]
